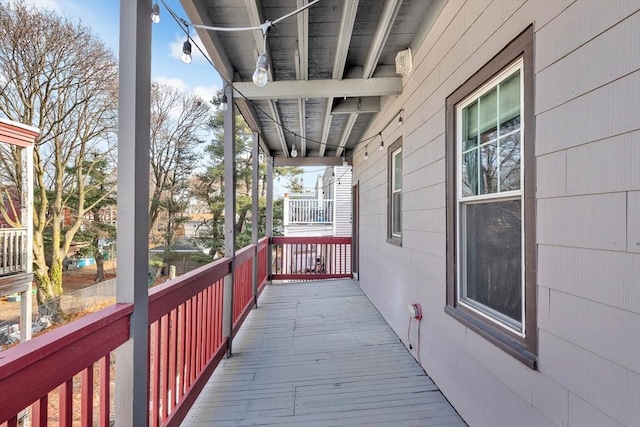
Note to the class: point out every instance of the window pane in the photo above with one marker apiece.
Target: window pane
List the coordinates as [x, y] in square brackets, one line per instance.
[470, 174]
[489, 173]
[510, 162]
[488, 115]
[470, 131]
[493, 256]
[397, 171]
[510, 104]
[396, 214]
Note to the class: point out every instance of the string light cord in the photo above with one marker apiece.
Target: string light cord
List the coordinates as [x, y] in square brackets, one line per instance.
[263, 27]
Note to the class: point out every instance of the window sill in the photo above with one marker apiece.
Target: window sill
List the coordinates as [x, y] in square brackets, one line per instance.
[394, 241]
[498, 338]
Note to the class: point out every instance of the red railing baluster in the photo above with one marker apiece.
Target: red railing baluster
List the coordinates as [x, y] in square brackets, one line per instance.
[86, 401]
[105, 390]
[39, 413]
[66, 403]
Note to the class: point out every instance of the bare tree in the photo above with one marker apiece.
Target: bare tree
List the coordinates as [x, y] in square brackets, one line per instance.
[178, 122]
[57, 76]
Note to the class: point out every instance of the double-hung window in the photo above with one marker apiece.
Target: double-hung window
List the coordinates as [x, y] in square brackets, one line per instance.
[394, 233]
[491, 248]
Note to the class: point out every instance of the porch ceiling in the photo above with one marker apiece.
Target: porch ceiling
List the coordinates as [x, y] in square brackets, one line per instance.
[330, 66]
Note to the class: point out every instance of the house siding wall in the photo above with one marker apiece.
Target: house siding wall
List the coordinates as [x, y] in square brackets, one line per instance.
[587, 86]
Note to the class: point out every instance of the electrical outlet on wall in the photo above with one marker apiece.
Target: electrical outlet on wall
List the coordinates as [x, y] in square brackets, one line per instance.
[415, 311]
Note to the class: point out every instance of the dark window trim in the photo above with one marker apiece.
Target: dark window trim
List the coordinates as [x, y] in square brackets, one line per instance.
[523, 349]
[395, 240]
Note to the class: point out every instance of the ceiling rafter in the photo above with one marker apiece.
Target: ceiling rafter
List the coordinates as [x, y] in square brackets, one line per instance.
[344, 39]
[348, 127]
[389, 12]
[275, 114]
[302, 69]
[254, 9]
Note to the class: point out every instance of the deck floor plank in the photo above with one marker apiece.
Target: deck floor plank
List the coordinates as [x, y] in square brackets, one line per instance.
[319, 354]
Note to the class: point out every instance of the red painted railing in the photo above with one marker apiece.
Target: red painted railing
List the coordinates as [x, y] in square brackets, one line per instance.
[311, 258]
[186, 339]
[76, 352]
[185, 345]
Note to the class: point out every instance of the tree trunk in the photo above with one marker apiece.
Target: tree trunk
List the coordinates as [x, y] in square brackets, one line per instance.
[99, 263]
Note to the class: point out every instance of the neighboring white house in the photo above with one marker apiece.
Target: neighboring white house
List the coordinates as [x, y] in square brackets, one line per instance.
[508, 207]
[325, 211]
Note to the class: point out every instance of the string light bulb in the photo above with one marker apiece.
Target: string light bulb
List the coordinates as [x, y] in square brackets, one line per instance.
[223, 103]
[155, 13]
[366, 152]
[381, 143]
[344, 158]
[400, 120]
[294, 151]
[260, 75]
[186, 52]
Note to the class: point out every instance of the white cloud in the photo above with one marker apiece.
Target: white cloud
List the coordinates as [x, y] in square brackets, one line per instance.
[176, 47]
[178, 84]
[206, 92]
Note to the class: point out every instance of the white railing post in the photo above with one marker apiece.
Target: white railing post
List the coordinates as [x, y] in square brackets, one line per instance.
[26, 302]
[287, 209]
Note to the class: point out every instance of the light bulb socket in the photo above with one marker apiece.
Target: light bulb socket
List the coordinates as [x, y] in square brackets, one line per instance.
[155, 13]
[186, 52]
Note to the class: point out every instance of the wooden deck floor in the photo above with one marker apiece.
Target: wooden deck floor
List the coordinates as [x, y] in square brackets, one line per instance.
[319, 354]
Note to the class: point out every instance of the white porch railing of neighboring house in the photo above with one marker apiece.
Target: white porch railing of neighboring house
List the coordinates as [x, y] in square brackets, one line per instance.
[308, 211]
[13, 250]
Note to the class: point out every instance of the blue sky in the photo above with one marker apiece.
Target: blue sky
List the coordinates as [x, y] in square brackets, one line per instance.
[103, 17]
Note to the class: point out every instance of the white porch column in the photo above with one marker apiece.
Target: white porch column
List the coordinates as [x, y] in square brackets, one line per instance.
[255, 220]
[269, 216]
[26, 301]
[229, 211]
[133, 206]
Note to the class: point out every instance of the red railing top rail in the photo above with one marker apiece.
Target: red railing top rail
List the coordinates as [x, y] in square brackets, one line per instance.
[169, 295]
[263, 243]
[311, 240]
[30, 370]
[245, 254]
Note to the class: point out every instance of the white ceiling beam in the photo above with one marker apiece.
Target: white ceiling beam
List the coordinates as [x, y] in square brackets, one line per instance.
[388, 15]
[344, 40]
[307, 161]
[370, 104]
[294, 89]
